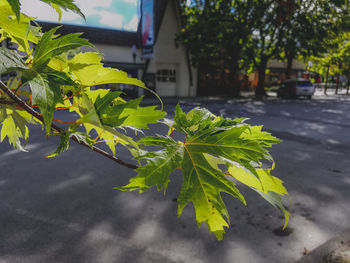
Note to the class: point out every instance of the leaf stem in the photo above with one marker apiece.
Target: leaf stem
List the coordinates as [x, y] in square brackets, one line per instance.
[37, 115]
[72, 96]
[65, 122]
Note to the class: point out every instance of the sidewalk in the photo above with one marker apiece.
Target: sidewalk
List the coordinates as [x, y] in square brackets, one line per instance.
[245, 96]
[335, 250]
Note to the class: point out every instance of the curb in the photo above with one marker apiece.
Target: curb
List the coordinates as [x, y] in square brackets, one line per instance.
[335, 250]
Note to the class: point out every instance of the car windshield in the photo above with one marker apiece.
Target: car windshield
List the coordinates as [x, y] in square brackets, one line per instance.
[304, 83]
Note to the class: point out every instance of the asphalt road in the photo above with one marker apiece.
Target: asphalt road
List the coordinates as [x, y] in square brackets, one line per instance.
[65, 209]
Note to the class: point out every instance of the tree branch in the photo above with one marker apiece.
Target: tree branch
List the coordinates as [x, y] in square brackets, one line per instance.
[18, 101]
[7, 102]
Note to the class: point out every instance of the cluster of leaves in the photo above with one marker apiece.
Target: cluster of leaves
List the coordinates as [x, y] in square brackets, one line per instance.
[216, 152]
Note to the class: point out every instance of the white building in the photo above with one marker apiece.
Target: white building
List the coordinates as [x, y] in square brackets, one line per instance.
[168, 73]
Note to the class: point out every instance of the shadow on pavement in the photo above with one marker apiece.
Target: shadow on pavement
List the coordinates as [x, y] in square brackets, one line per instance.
[65, 210]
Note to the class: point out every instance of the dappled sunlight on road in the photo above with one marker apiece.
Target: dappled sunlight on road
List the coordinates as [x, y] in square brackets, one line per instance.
[240, 250]
[75, 181]
[300, 155]
[65, 209]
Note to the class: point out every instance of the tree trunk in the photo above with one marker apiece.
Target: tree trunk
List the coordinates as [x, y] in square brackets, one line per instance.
[260, 89]
[289, 67]
[233, 66]
[234, 84]
[326, 86]
[337, 86]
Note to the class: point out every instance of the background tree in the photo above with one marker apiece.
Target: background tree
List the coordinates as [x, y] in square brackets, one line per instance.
[215, 33]
[311, 24]
[336, 61]
[268, 33]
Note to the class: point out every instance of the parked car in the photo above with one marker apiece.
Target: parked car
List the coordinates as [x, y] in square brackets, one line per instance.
[294, 88]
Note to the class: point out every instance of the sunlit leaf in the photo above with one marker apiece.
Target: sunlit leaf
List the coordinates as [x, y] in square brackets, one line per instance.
[57, 4]
[20, 32]
[89, 71]
[159, 166]
[65, 138]
[14, 126]
[202, 186]
[46, 95]
[50, 46]
[10, 61]
[206, 159]
[140, 117]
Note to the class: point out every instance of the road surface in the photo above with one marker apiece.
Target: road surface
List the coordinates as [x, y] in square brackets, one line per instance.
[65, 209]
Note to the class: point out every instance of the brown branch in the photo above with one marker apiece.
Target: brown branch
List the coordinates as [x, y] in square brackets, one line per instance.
[7, 102]
[18, 101]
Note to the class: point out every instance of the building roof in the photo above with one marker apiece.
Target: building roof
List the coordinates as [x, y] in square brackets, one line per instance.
[97, 35]
[110, 36]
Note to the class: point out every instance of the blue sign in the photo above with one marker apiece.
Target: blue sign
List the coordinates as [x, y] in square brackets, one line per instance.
[147, 28]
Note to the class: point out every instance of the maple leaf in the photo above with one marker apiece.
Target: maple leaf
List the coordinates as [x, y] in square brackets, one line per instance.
[269, 187]
[50, 46]
[89, 71]
[10, 61]
[20, 32]
[106, 110]
[14, 125]
[202, 186]
[65, 138]
[57, 4]
[140, 117]
[211, 142]
[159, 164]
[45, 94]
[93, 119]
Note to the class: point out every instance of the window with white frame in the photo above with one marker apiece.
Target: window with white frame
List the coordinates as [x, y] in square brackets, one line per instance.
[166, 75]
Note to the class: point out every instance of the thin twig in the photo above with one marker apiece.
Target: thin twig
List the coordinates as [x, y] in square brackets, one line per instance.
[18, 101]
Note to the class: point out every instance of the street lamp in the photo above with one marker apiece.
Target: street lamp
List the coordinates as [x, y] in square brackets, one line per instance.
[133, 52]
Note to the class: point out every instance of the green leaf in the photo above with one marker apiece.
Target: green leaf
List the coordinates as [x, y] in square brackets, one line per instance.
[159, 165]
[89, 71]
[202, 185]
[140, 117]
[227, 144]
[58, 77]
[64, 141]
[269, 187]
[10, 61]
[264, 138]
[50, 46]
[14, 126]
[199, 119]
[64, 4]
[20, 32]
[45, 94]
[58, 10]
[264, 182]
[213, 146]
[16, 6]
[276, 201]
[108, 111]
[190, 122]
[85, 107]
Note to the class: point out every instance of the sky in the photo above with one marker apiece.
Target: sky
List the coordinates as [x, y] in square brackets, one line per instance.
[111, 14]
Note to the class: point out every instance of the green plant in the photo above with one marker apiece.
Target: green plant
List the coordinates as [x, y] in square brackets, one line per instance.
[216, 150]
